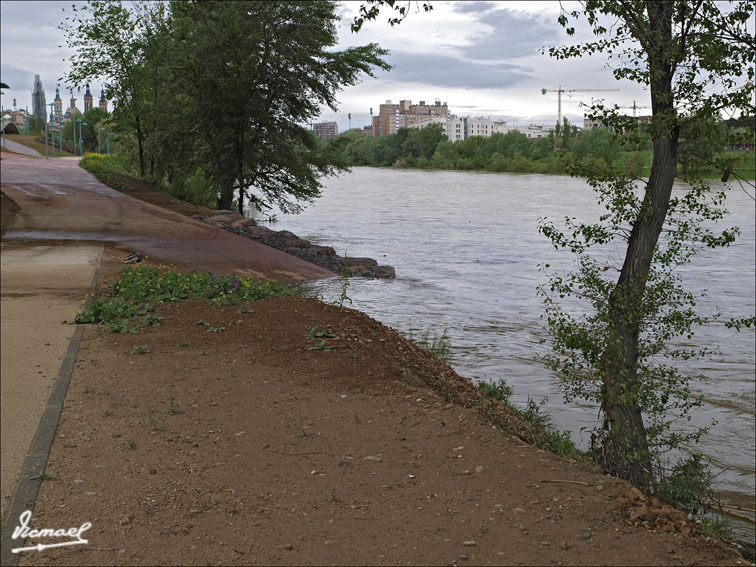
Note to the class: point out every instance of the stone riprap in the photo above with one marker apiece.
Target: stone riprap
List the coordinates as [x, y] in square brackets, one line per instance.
[286, 241]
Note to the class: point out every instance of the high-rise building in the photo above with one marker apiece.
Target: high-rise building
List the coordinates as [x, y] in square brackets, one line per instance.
[325, 130]
[391, 116]
[87, 99]
[39, 103]
[103, 101]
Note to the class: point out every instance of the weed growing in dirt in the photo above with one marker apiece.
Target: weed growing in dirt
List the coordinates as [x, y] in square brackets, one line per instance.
[344, 283]
[44, 475]
[544, 433]
[139, 291]
[130, 444]
[87, 389]
[318, 333]
[141, 349]
[175, 407]
[245, 309]
[184, 344]
[437, 345]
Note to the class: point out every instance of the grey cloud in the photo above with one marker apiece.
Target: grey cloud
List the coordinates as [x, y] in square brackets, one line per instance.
[514, 35]
[38, 14]
[18, 79]
[446, 71]
[473, 7]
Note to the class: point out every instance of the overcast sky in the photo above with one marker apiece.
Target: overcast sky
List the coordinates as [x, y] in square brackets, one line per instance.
[482, 58]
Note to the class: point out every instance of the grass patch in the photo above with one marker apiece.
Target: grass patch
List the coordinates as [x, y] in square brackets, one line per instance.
[437, 345]
[139, 290]
[544, 433]
[111, 170]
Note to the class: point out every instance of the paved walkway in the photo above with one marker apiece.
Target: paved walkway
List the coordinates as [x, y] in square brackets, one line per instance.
[12, 146]
[42, 286]
[61, 201]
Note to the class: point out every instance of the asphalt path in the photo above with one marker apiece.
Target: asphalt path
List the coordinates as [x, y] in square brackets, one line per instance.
[12, 146]
[60, 201]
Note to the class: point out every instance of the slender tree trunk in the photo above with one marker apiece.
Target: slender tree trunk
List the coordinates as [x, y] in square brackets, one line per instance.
[226, 198]
[140, 143]
[625, 449]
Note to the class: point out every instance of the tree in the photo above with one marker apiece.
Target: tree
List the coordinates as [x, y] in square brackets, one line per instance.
[251, 75]
[692, 56]
[108, 43]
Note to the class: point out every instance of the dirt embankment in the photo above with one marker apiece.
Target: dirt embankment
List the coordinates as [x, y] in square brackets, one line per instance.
[227, 436]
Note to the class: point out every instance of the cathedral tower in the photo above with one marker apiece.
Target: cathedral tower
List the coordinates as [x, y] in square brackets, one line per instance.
[87, 99]
[58, 105]
[39, 103]
[103, 101]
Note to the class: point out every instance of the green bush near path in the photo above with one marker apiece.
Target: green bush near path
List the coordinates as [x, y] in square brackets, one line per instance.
[112, 170]
[140, 290]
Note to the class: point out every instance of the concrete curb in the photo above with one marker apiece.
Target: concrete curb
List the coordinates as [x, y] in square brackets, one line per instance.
[25, 495]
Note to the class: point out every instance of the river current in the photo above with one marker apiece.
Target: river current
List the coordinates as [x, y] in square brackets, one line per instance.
[466, 251]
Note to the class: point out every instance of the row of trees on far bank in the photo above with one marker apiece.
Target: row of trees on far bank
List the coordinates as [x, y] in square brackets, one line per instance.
[599, 149]
[210, 98]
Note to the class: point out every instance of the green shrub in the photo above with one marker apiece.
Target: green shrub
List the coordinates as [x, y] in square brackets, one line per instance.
[140, 290]
[687, 486]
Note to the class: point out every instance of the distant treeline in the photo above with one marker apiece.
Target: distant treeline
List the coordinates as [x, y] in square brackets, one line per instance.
[564, 150]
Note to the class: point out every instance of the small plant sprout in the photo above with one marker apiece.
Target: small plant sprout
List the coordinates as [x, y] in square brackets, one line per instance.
[141, 349]
[175, 408]
[318, 333]
[44, 475]
[320, 346]
[184, 344]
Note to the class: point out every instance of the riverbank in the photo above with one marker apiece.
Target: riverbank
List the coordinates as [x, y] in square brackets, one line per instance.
[239, 435]
[244, 434]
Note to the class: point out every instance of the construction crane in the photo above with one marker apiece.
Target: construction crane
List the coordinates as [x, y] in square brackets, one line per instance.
[634, 107]
[560, 90]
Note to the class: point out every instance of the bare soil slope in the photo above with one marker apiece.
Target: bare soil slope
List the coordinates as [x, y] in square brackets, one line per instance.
[242, 441]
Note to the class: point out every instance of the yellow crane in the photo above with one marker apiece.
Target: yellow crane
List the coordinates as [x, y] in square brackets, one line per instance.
[560, 90]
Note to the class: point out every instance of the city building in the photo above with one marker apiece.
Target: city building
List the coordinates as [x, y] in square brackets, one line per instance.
[392, 116]
[72, 111]
[457, 128]
[39, 102]
[324, 130]
[56, 114]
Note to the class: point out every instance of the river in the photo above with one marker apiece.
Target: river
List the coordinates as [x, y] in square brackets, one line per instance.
[466, 251]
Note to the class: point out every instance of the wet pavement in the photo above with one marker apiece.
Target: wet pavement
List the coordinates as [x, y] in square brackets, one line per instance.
[60, 201]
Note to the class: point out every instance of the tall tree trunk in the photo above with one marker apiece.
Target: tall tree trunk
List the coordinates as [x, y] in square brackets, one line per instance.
[625, 449]
[140, 143]
[226, 198]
